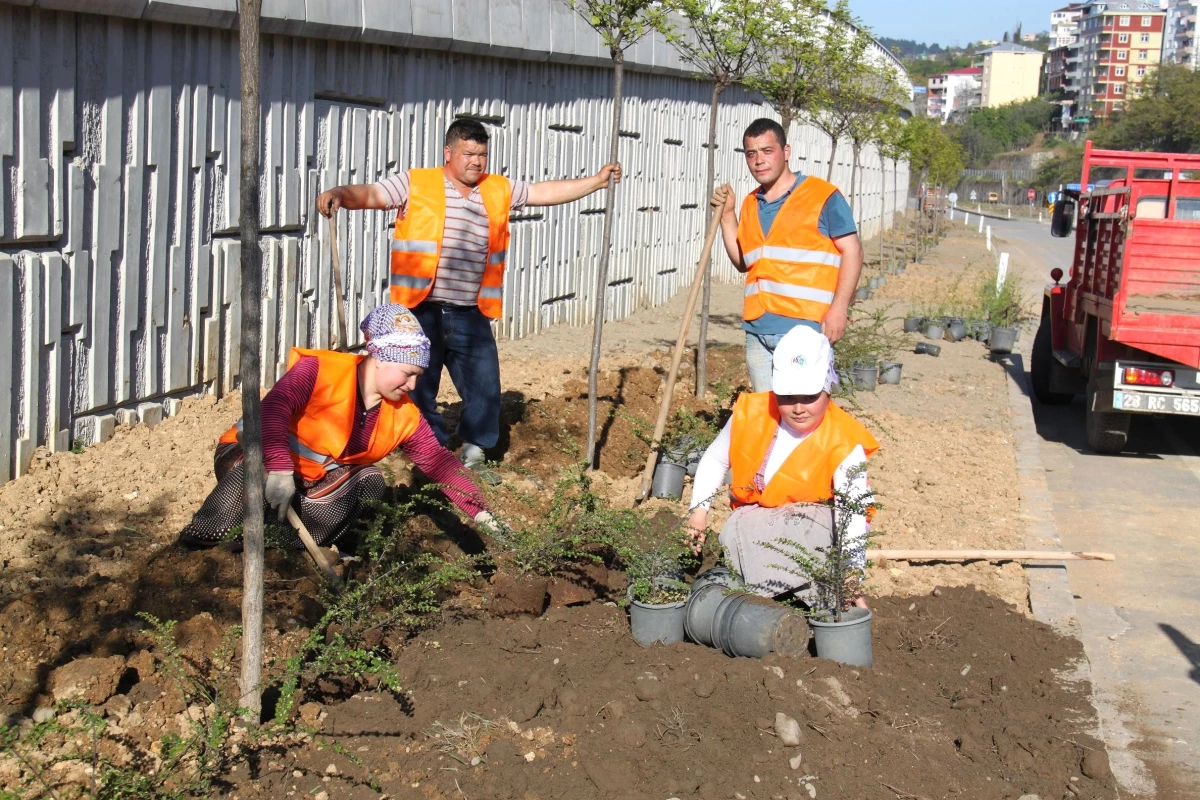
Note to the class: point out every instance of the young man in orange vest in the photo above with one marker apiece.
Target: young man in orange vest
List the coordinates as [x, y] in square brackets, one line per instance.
[325, 424]
[448, 258]
[788, 448]
[796, 242]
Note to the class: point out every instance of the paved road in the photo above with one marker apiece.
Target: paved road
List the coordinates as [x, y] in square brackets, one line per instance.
[1140, 616]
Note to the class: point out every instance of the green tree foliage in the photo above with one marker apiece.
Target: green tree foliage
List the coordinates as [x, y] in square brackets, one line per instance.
[933, 156]
[988, 132]
[846, 81]
[1166, 118]
[1065, 167]
[787, 74]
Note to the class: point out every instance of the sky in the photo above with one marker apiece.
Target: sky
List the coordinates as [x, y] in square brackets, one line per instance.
[952, 21]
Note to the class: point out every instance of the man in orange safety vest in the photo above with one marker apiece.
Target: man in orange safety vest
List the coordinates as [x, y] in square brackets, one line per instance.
[796, 242]
[448, 256]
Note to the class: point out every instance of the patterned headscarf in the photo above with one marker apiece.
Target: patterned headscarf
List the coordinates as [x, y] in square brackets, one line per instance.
[394, 335]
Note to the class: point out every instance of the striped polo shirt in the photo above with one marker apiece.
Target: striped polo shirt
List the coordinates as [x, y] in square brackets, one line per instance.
[464, 240]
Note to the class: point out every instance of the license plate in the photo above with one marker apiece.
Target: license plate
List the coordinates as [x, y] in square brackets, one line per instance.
[1156, 403]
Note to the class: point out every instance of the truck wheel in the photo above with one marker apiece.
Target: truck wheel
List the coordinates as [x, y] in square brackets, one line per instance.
[1041, 365]
[1107, 431]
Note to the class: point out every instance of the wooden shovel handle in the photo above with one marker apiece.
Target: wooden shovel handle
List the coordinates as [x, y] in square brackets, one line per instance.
[337, 283]
[987, 555]
[311, 546]
[664, 408]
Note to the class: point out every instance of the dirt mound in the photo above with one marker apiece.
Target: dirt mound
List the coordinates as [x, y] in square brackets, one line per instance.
[965, 699]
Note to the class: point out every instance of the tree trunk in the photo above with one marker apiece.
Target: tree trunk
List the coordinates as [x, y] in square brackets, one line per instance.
[832, 154]
[702, 344]
[251, 436]
[785, 119]
[855, 209]
[882, 210]
[618, 57]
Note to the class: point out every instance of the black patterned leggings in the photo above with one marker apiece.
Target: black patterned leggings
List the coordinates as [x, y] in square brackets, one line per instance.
[327, 507]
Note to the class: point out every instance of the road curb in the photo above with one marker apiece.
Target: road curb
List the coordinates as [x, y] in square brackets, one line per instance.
[1050, 596]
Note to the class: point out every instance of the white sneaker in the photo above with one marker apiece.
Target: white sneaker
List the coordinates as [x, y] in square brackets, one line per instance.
[472, 455]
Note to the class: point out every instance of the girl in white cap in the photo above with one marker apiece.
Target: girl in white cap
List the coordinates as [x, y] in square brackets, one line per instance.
[325, 424]
[788, 448]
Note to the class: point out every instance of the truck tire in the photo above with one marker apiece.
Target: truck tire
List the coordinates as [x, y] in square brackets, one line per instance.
[1107, 431]
[1041, 366]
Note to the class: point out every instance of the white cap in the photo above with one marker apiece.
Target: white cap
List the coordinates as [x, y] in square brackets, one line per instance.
[803, 363]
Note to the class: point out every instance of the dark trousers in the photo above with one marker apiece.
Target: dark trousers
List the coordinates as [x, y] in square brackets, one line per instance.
[461, 339]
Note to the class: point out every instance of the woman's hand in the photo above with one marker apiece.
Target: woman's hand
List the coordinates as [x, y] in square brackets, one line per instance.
[697, 527]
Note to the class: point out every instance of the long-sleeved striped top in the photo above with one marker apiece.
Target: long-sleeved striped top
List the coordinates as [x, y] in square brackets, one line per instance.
[464, 240]
[290, 395]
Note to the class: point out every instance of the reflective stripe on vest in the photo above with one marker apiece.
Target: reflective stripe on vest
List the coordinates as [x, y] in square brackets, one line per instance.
[786, 290]
[806, 475]
[793, 270]
[417, 243]
[792, 254]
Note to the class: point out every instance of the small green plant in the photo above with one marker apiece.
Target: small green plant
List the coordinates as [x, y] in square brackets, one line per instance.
[1004, 306]
[77, 446]
[653, 560]
[869, 338]
[834, 571]
[686, 431]
[188, 763]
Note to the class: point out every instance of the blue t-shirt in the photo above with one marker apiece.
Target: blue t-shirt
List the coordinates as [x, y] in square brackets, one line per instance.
[836, 220]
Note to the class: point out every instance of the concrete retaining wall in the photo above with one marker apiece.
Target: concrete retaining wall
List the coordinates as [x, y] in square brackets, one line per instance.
[119, 151]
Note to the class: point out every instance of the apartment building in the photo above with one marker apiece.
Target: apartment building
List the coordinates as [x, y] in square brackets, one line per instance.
[1179, 34]
[1120, 43]
[1011, 73]
[953, 91]
[1064, 25]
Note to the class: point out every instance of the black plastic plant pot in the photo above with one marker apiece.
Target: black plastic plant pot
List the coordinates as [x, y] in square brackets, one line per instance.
[956, 331]
[928, 349]
[865, 377]
[656, 623]
[934, 331]
[748, 626]
[847, 641]
[1002, 340]
[913, 324]
[889, 372]
[668, 480]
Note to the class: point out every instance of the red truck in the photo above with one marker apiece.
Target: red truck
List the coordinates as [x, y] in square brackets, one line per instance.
[1125, 327]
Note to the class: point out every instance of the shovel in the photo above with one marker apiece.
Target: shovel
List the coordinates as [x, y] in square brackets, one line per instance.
[337, 283]
[313, 550]
[665, 409]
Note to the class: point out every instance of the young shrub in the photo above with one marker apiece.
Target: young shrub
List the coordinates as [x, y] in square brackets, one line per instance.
[833, 571]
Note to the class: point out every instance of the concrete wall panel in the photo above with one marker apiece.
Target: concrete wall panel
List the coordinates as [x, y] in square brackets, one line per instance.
[119, 257]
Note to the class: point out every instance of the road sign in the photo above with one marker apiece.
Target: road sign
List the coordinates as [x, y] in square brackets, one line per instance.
[1051, 197]
[1031, 194]
[974, 196]
[953, 198]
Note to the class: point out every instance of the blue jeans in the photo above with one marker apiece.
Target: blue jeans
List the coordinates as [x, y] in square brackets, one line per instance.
[760, 349]
[461, 340]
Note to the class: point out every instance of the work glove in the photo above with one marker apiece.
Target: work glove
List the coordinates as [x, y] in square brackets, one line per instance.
[498, 529]
[281, 488]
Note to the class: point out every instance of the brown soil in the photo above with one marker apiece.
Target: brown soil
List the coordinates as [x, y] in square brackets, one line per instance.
[963, 701]
[86, 542]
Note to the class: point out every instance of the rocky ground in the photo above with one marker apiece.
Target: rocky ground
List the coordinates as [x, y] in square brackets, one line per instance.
[968, 697]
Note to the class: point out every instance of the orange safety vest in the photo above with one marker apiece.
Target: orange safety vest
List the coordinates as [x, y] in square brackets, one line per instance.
[417, 243]
[319, 435]
[793, 271]
[807, 474]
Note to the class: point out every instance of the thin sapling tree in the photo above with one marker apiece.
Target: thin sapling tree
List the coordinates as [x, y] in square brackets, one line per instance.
[728, 37]
[620, 24]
